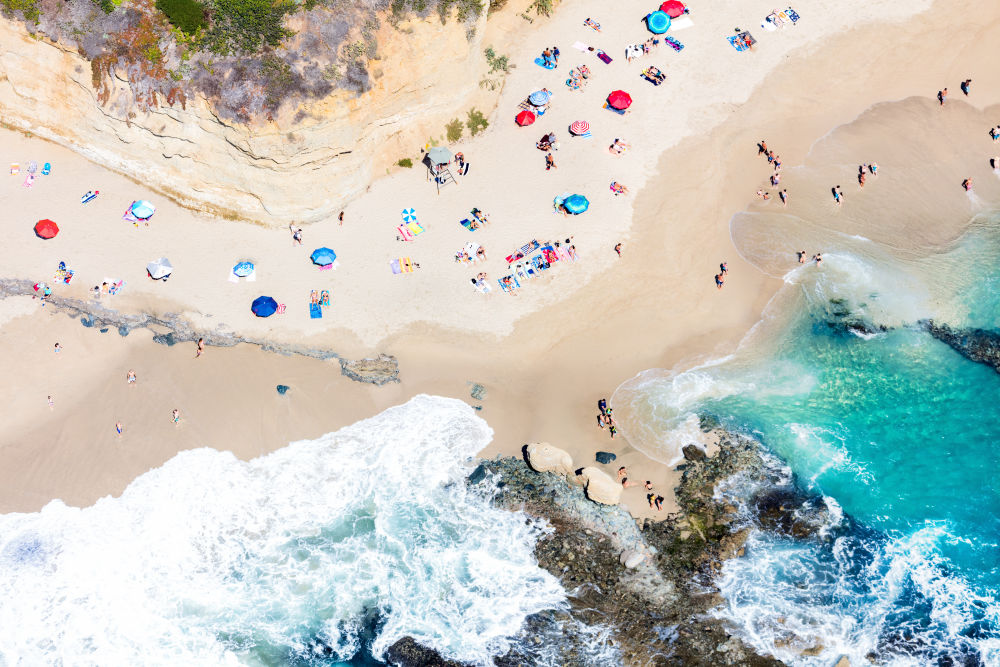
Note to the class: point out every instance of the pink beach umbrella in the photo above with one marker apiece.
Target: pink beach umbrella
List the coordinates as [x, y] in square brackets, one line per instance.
[673, 8]
[524, 118]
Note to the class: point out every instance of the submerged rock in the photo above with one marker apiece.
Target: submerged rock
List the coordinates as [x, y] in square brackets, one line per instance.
[543, 457]
[979, 345]
[694, 453]
[282, 389]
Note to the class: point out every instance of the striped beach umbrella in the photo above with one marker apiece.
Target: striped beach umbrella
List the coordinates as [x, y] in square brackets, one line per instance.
[579, 127]
[409, 215]
[539, 97]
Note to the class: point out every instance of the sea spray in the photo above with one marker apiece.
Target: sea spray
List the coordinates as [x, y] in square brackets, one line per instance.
[287, 558]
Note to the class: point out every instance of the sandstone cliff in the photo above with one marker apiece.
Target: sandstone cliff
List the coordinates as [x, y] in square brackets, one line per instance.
[301, 166]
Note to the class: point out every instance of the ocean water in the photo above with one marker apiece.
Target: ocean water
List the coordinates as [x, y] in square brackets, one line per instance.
[898, 432]
[321, 553]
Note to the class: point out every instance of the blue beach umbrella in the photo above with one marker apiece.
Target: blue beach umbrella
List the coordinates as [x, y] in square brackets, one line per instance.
[143, 209]
[658, 22]
[323, 256]
[539, 97]
[409, 215]
[264, 306]
[576, 204]
[243, 269]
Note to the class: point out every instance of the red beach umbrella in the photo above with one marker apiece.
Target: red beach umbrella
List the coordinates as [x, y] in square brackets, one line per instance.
[673, 8]
[524, 118]
[579, 127]
[46, 229]
[620, 100]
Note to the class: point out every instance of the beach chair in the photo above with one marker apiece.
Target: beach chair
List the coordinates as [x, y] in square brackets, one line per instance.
[15, 169]
[404, 233]
[395, 266]
[46, 169]
[32, 167]
[415, 228]
[792, 15]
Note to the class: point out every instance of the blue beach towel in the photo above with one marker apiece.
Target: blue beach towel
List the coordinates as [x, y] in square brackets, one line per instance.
[542, 62]
[792, 15]
[315, 311]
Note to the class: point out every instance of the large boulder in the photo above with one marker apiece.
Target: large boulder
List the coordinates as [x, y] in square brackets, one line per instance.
[543, 457]
[631, 559]
[605, 457]
[600, 487]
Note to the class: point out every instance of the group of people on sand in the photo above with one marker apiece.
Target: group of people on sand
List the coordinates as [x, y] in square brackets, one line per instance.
[654, 499]
[720, 277]
[605, 417]
[618, 147]
[775, 178]
[818, 257]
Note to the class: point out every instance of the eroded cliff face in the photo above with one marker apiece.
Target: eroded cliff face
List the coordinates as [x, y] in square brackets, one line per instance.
[301, 166]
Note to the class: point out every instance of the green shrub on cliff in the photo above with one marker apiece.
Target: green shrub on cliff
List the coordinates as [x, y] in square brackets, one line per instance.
[405, 162]
[188, 15]
[476, 122]
[454, 130]
[28, 7]
[247, 26]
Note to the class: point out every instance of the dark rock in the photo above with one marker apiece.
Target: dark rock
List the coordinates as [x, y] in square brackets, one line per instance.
[124, 330]
[605, 457]
[477, 475]
[86, 320]
[378, 370]
[282, 389]
[406, 652]
[104, 330]
[979, 345]
[478, 392]
[165, 339]
[694, 453]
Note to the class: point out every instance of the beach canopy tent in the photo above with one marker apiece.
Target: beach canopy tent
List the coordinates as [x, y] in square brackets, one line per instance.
[579, 127]
[672, 8]
[539, 97]
[524, 118]
[159, 269]
[658, 22]
[323, 256]
[243, 269]
[264, 306]
[46, 229]
[440, 155]
[620, 100]
[576, 204]
[142, 209]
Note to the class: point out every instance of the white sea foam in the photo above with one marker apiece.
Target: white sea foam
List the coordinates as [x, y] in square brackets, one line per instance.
[209, 560]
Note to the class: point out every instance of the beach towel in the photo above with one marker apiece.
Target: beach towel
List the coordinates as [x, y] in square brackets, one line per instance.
[87, 197]
[739, 41]
[15, 169]
[46, 169]
[792, 15]
[406, 264]
[315, 311]
[580, 46]
[620, 112]
[281, 308]
[405, 232]
[29, 180]
[32, 167]
[233, 278]
[547, 64]
[395, 266]
[468, 225]
[605, 58]
[681, 22]
[415, 228]
[326, 267]
[673, 43]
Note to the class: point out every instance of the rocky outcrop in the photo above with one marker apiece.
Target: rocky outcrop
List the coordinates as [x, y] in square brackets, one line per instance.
[979, 345]
[543, 457]
[605, 457]
[599, 486]
[406, 652]
[303, 165]
[374, 370]
[649, 582]
[171, 329]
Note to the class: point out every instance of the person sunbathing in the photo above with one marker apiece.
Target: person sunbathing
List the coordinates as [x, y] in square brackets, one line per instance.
[618, 188]
[481, 253]
[592, 24]
[313, 297]
[543, 145]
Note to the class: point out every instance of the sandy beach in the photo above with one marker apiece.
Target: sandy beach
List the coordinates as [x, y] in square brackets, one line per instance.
[545, 355]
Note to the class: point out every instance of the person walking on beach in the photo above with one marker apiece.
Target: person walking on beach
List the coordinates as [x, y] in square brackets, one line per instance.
[724, 268]
[58, 348]
[201, 348]
[119, 428]
[296, 234]
[802, 256]
[618, 249]
[176, 416]
[994, 134]
[51, 403]
[777, 162]
[942, 96]
[762, 148]
[783, 195]
[873, 169]
[130, 377]
[720, 280]
[967, 184]
[861, 179]
[340, 219]
[550, 162]
[837, 194]
[818, 258]
[965, 86]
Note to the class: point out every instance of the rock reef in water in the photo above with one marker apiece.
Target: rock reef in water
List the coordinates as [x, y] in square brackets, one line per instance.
[979, 345]
[406, 652]
[171, 329]
[651, 581]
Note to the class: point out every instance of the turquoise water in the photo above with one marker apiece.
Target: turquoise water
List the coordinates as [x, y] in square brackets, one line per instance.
[895, 429]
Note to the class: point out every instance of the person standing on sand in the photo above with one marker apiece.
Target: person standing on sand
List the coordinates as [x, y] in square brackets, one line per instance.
[967, 184]
[201, 348]
[296, 234]
[340, 218]
[873, 169]
[58, 348]
[783, 195]
[720, 280]
[802, 256]
[965, 86]
[942, 96]
[51, 404]
[818, 258]
[119, 428]
[762, 148]
[724, 268]
[861, 179]
[618, 249]
[550, 162]
[837, 194]
[176, 415]
[777, 162]
[130, 377]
